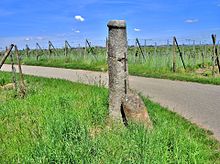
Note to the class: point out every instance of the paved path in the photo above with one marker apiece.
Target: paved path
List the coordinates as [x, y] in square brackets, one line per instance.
[199, 103]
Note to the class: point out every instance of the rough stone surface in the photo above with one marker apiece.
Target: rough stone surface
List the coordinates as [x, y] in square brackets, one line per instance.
[117, 58]
[117, 24]
[135, 109]
[124, 104]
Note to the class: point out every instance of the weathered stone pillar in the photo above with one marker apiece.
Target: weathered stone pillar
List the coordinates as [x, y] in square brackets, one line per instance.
[117, 66]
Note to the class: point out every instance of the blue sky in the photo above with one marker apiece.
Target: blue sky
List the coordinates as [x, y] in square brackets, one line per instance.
[30, 21]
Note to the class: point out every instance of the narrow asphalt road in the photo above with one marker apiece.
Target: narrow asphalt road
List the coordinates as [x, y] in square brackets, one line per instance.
[199, 103]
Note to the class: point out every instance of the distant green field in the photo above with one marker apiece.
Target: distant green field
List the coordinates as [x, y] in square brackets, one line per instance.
[63, 122]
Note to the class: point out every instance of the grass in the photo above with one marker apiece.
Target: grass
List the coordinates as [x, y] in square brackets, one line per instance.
[64, 122]
[181, 75]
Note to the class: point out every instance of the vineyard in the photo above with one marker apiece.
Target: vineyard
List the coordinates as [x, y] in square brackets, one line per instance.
[189, 62]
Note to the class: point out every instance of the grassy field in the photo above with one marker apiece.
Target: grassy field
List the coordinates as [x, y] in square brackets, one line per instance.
[64, 122]
[157, 63]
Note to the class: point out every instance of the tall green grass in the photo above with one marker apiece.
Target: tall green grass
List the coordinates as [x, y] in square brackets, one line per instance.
[63, 122]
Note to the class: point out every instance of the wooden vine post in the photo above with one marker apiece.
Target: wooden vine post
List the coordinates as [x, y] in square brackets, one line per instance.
[194, 52]
[13, 71]
[7, 53]
[22, 88]
[139, 49]
[27, 50]
[215, 55]
[180, 53]
[38, 49]
[51, 48]
[91, 49]
[203, 57]
[174, 55]
[85, 50]
[66, 47]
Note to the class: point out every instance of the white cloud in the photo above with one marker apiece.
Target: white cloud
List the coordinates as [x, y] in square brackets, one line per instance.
[191, 20]
[27, 39]
[77, 31]
[137, 29]
[79, 18]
